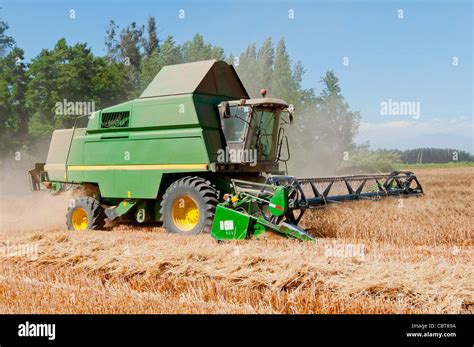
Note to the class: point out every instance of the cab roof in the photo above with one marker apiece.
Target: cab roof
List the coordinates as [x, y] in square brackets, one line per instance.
[263, 102]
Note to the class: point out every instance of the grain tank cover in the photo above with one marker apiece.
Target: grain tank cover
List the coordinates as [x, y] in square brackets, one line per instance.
[209, 77]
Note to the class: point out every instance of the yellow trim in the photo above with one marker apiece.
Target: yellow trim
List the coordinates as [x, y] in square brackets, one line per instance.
[138, 167]
[53, 167]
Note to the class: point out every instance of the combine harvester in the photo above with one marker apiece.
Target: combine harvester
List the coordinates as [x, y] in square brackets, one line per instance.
[195, 138]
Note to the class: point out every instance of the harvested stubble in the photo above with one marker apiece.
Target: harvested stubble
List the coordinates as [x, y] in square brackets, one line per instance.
[417, 259]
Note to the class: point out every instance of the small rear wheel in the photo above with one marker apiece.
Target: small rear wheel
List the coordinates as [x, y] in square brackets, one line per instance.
[85, 213]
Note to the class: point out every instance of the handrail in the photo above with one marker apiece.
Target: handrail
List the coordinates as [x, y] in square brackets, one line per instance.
[70, 144]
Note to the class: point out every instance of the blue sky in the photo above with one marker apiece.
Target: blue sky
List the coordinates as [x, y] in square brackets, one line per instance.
[409, 59]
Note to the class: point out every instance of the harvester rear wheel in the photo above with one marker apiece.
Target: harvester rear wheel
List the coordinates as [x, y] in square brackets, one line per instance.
[85, 214]
[188, 206]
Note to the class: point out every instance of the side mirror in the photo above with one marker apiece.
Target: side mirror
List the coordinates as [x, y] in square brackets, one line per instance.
[291, 110]
[224, 109]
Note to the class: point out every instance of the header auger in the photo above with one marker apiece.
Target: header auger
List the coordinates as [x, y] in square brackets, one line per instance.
[195, 152]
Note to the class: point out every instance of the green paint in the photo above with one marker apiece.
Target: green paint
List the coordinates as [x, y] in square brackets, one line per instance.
[135, 149]
[229, 224]
[279, 202]
[241, 219]
[124, 206]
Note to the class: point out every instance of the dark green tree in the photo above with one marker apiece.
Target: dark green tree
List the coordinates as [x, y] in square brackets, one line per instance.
[247, 70]
[151, 44]
[169, 54]
[111, 42]
[73, 74]
[283, 83]
[131, 41]
[6, 42]
[265, 63]
[434, 155]
[197, 49]
[13, 112]
[273, 71]
[343, 123]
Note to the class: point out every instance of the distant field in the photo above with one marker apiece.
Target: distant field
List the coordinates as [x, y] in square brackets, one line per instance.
[418, 257]
[436, 166]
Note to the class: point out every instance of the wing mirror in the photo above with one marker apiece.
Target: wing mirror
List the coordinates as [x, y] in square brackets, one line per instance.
[291, 111]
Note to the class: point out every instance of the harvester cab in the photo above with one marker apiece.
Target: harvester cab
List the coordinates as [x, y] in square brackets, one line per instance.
[253, 129]
[195, 152]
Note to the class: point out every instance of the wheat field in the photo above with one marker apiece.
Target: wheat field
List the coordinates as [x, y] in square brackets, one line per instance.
[416, 257]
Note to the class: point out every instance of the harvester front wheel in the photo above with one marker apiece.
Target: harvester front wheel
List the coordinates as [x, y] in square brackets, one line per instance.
[188, 206]
[85, 213]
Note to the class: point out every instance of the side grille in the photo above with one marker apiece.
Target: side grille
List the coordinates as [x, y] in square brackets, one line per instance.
[115, 119]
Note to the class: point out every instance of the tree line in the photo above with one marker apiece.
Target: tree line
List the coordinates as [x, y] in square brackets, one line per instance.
[324, 129]
[362, 159]
[30, 92]
[433, 155]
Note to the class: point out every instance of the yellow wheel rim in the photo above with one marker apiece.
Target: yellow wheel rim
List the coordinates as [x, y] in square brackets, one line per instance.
[185, 213]
[80, 221]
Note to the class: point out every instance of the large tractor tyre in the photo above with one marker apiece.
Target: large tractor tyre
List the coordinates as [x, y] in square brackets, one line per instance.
[188, 206]
[85, 214]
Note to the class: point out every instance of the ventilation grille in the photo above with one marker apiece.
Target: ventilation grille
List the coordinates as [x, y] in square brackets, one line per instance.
[115, 119]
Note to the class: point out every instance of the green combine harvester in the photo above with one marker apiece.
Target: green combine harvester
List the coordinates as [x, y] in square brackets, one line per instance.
[195, 152]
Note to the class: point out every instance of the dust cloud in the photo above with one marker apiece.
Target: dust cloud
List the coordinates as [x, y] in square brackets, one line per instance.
[312, 152]
[22, 209]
